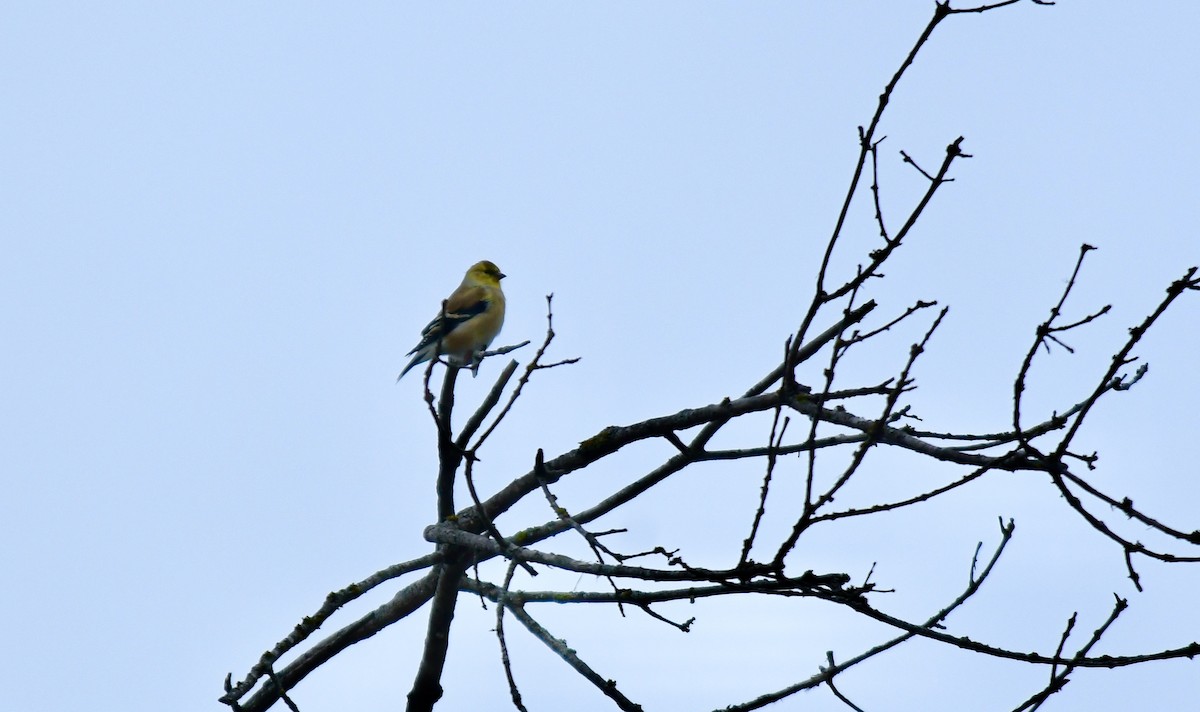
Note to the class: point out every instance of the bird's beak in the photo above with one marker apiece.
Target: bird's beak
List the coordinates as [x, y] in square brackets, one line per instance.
[501, 276]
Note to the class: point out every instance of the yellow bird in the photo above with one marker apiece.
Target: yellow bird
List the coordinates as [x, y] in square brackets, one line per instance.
[472, 317]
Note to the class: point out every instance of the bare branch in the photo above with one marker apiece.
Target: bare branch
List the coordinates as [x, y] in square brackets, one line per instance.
[514, 693]
[311, 623]
[409, 599]
[826, 674]
[608, 687]
[427, 687]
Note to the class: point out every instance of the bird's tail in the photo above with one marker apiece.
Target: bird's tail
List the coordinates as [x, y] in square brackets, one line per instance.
[421, 357]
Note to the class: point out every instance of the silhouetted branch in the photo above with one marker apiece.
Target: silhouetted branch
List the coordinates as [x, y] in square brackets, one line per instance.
[409, 599]
[568, 654]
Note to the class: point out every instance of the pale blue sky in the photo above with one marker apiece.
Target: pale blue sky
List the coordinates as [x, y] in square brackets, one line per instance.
[225, 223]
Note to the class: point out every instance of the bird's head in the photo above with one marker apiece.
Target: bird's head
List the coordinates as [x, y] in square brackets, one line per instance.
[485, 273]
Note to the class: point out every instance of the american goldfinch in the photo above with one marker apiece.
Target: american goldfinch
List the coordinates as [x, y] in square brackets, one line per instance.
[472, 317]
